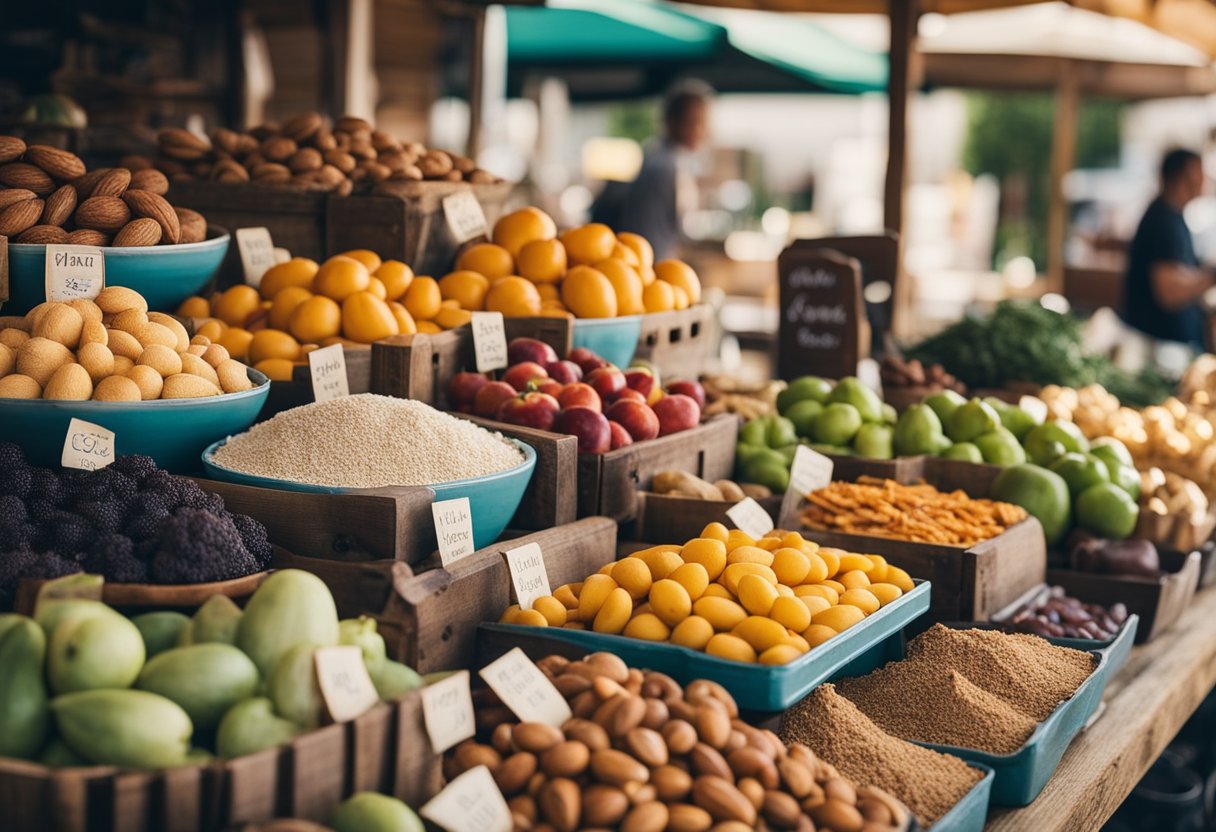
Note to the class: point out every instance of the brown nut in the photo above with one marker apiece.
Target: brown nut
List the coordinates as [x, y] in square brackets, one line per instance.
[646, 817]
[657, 714]
[796, 776]
[671, 783]
[713, 725]
[780, 810]
[435, 164]
[566, 759]
[681, 737]
[561, 803]
[752, 790]
[706, 759]
[603, 806]
[536, 737]
[722, 800]
[617, 768]
[647, 745]
[471, 754]
[684, 817]
[627, 716]
[590, 734]
[838, 815]
[751, 762]
[513, 773]
[501, 738]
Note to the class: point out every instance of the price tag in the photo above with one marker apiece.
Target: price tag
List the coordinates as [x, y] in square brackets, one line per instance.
[464, 215]
[328, 368]
[750, 518]
[257, 253]
[1036, 407]
[281, 255]
[453, 529]
[345, 686]
[447, 710]
[489, 341]
[524, 689]
[74, 272]
[527, 565]
[470, 803]
[809, 472]
[87, 446]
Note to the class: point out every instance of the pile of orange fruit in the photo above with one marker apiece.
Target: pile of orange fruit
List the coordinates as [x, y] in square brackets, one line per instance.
[352, 298]
[589, 272]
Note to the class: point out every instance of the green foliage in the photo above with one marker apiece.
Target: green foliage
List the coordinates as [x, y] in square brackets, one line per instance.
[637, 120]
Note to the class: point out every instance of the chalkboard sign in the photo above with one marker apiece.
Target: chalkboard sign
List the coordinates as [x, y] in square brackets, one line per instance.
[821, 314]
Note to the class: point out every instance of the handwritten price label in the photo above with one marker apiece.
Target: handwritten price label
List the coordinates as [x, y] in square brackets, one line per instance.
[524, 689]
[257, 253]
[750, 518]
[281, 255]
[74, 272]
[447, 710]
[810, 471]
[345, 686]
[453, 529]
[470, 803]
[528, 575]
[87, 446]
[489, 341]
[464, 215]
[328, 368]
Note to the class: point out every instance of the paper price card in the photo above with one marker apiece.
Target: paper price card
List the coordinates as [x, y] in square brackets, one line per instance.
[257, 253]
[453, 529]
[345, 686]
[470, 803]
[464, 216]
[74, 272]
[489, 341]
[281, 255]
[524, 689]
[87, 446]
[528, 575]
[328, 368]
[810, 472]
[750, 518]
[447, 710]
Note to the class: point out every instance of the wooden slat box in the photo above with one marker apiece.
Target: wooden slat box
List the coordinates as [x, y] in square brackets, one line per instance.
[669, 518]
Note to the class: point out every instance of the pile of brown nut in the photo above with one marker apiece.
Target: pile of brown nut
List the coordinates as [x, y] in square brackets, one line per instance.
[306, 152]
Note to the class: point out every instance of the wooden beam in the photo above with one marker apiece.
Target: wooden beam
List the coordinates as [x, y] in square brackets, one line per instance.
[1042, 72]
[903, 18]
[477, 82]
[1063, 157]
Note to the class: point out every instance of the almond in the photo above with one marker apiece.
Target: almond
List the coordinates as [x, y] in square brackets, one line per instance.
[836, 814]
[103, 213]
[780, 810]
[536, 737]
[681, 737]
[265, 130]
[561, 804]
[141, 232]
[470, 754]
[482, 177]
[722, 800]
[647, 745]
[566, 759]
[305, 159]
[270, 173]
[24, 175]
[617, 768]
[351, 124]
[85, 184]
[43, 235]
[671, 783]
[20, 216]
[713, 725]
[11, 149]
[150, 180]
[435, 164]
[587, 732]
[684, 817]
[135, 162]
[603, 806]
[646, 817]
[706, 759]
[513, 773]
[10, 195]
[463, 163]
[114, 183]
[182, 144]
[88, 237]
[226, 140]
[230, 172]
[60, 164]
[59, 206]
[279, 148]
[411, 173]
[340, 159]
[751, 762]
[193, 225]
[797, 778]
[324, 140]
[657, 714]
[302, 127]
[155, 206]
[627, 716]
[383, 141]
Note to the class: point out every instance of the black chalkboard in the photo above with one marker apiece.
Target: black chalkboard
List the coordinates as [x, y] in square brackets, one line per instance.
[820, 332]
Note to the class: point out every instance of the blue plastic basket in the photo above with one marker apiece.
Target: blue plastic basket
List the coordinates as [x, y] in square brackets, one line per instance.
[969, 814]
[613, 339]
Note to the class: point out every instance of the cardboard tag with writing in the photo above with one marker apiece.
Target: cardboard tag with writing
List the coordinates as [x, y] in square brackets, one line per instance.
[453, 529]
[447, 710]
[470, 803]
[257, 253]
[74, 272]
[750, 518]
[489, 341]
[464, 215]
[528, 575]
[87, 446]
[281, 255]
[345, 686]
[809, 472]
[526, 690]
[328, 368]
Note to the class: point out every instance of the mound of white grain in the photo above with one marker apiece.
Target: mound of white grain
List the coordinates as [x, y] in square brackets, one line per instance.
[366, 441]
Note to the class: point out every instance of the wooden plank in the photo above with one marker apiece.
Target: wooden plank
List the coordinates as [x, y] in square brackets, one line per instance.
[371, 749]
[183, 794]
[319, 763]
[903, 20]
[678, 343]
[79, 797]
[132, 795]
[1063, 157]
[556, 332]
[417, 769]
[25, 794]
[401, 366]
[1147, 702]
[252, 786]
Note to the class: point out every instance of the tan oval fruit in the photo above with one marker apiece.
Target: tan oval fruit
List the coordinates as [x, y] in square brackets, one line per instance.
[836, 814]
[233, 376]
[196, 349]
[130, 321]
[680, 735]
[124, 344]
[647, 745]
[8, 360]
[60, 323]
[173, 325]
[587, 732]
[751, 762]
[186, 386]
[115, 299]
[117, 389]
[163, 359]
[713, 725]
[34, 315]
[88, 310]
[780, 810]
[149, 382]
[215, 354]
[94, 332]
[70, 383]
[39, 358]
[123, 365]
[151, 333]
[97, 360]
[561, 804]
[627, 716]
[705, 759]
[471, 754]
[196, 366]
[13, 338]
[722, 800]
[18, 386]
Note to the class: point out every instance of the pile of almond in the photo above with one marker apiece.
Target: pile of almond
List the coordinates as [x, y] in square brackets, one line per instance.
[642, 754]
[307, 152]
[47, 196]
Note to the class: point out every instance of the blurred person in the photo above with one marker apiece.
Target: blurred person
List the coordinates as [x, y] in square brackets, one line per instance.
[1165, 282]
[665, 188]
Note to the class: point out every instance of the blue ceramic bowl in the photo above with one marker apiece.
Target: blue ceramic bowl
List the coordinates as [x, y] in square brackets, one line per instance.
[171, 431]
[493, 499]
[612, 339]
[164, 275]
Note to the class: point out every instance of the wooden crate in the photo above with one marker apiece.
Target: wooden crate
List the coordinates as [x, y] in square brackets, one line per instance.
[420, 366]
[667, 518]
[680, 343]
[973, 478]
[904, 469]
[385, 749]
[284, 395]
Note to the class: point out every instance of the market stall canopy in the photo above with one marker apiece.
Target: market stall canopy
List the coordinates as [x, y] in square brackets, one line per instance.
[612, 49]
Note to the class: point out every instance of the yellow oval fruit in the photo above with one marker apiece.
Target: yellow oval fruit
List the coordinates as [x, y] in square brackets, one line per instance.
[769, 543]
[396, 277]
[855, 579]
[515, 230]
[194, 307]
[235, 305]
[817, 634]
[727, 646]
[733, 573]
[164, 360]
[449, 318]
[367, 257]
[60, 323]
[284, 303]
[840, 617]
[627, 284]
[831, 557]
[530, 618]
[693, 632]
[514, 297]
[641, 248]
[835, 586]
[791, 613]
[693, 577]
[487, 259]
[405, 321]
[780, 654]
[750, 554]
[632, 575]
[595, 592]
[679, 274]
[148, 380]
[187, 386]
[716, 531]
[39, 358]
[298, 272]
[659, 297]
[70, 383]
[716, 590]
[900, 578]
[708, 552]
[884, 592]
[817, 569]
[366, 318]
[276, 369]
[375, 287]
[542, 261]
[212, 329]
[18, 386]
[669, 601]
[588, 293]
[879, 572]
[723, 614]
[341, 276]
[736, 538]
[850, 562]
[423, 298]
[590, 243]
[791, 566]
[116, 389]
[648, 627]
[565, 594]
[272, 343]
[614, 613]
[662, 561]
[468, 289]
[96, 359]
[761, 632]
[756, 594]
[863, 599]
[814, 603]
[313, 321]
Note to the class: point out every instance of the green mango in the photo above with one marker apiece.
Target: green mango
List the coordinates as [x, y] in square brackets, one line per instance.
[850, 390]
[975, 418]
[964, 452]
[1107, 510]
[204, 679]
[763, 471]
[831, 450]
[56, 754]
[198, 757]
[1108, 447]
[1127, 478]
[51, 614]
[292, 687]
[1000, 447]
[361, 632]
[290, 607]
[252, 726]
[805, 389]
[918, 431]
[24, 718]
[1013, 418]
[394, 680]
[436, 676]
[745, 452]
[1038, 442]
[214, 622]
[1080, 471]
[837, 424]
[889, 414]
[780, 433]
[160, 630]
[128, 728]
[9, 620]
[374, 812]
[1041, 492]
[944, 403]
[93, 652]
[875, 441]
[755, 432]
[802, 415]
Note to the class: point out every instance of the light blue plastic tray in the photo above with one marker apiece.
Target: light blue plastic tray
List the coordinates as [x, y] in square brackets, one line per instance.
[969, 814]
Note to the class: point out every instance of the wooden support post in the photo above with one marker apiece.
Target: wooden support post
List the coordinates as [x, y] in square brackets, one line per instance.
[1063, 157]
[904, 78]
[477, 82]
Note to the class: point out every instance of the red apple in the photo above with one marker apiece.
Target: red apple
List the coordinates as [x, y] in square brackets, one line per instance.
[590, 426]
[463, 387]
[533, 410]
[519, 375]
[547, 386]
[580, 395]
[567, 372]
[586, 359]
[630, 395]
[689, 387]
[530, 349]
[676, 413]
[635, 417]
[607, 381]
[620, 436]
[645, 382]
[490, 397]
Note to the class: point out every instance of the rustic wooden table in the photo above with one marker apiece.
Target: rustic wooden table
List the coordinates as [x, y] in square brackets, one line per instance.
[1156, 692]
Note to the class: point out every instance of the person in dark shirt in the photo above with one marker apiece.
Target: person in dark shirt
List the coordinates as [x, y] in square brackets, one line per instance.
[1164, 279]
